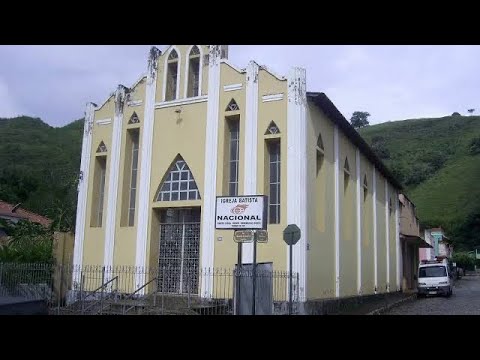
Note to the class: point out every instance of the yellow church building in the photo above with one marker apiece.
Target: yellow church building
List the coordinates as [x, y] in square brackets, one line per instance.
[156, 155]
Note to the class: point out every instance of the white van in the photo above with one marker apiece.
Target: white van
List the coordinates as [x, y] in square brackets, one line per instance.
[434, 278]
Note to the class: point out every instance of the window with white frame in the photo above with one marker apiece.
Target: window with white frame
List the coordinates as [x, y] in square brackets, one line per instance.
[172, 73]
[274, 162]
[134, 136]
[234, 150]
[232, 106]
[99, 178]
[179, 184]
[272, 129]
[193, 86]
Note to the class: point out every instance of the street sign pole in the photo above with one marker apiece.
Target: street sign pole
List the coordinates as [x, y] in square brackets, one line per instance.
[254, 270]
[290, 295]
[291, 235]
[239, 273]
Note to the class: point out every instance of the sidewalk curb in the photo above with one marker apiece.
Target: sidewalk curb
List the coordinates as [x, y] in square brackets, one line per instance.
[392, 305]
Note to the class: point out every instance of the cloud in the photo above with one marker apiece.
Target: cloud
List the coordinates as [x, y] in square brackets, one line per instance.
[8, 106]
[390, 82]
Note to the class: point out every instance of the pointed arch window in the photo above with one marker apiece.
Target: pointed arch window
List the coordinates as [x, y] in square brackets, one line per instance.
[346, 174]
[134, 119]
[320, 147]
[172, 76]
[102, 148]
[365, 188]
[390, 206]
[272, 129]
[178, 184]
[193, 87]
[320, 153]
[232, 106]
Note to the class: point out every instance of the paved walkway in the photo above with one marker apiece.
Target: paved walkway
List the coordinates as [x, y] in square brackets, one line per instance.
[378, 304]
[464, 301]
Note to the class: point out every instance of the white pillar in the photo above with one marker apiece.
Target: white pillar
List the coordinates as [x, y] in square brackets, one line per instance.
[143, 213]
[387, 234]
[113, 177]
[336, 151]
[251, 131]
[397, 245]
[83, 190]
[297, 171]
[210, 182]
[359, 224]
[375, 255]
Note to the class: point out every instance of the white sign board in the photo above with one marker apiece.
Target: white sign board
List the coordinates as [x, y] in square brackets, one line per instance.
[241, 212]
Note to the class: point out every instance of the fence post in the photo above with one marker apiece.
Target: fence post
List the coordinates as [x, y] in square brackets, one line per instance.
[102, 290]
[82, 298]
[155, 290]
[163, 289]
[1, 277]
[298, 294]
[188, 288]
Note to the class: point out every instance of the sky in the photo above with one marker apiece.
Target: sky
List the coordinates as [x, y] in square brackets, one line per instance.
[390, 82]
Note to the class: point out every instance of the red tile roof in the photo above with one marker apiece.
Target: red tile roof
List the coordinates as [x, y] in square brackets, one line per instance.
[6, 209]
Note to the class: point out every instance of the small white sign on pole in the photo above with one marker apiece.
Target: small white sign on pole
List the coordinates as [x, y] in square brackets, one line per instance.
[241, 212]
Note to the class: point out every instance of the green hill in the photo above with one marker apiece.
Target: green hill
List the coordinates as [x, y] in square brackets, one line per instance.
[39, 165]
[438, 161]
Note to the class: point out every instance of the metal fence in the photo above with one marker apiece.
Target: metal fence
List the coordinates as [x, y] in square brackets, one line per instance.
[125, 290]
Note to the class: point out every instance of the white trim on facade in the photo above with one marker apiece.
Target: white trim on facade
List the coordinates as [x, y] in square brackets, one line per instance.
[210, 183]
[359, 224]
[227, 62]
[232, 87]
[83, 189]
[251, 137]
[179, 102]
[387, 234]
[103, 104]
[143, 76]
[145, 162]
[187, 68]
[135, 103]
[375, 254]
[165, 71]
[337, 170]
[397, 243]
[103, 121]
[272, 97]
[297, 171]
[264, 67]
[113, 176]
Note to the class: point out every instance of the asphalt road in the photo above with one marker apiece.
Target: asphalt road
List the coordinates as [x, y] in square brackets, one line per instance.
[464, 301]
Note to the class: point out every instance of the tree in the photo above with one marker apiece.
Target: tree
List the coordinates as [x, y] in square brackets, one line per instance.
[359, 119]
[28, 243]
[456, 114]
[464, 260]
[474, 146]
[380, 149]
[471, 111]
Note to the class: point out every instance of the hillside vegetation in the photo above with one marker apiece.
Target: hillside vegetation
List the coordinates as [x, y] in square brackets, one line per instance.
[39, 166]
[438, 161]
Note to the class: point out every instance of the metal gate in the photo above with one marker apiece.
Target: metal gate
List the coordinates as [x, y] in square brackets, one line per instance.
[179, 251]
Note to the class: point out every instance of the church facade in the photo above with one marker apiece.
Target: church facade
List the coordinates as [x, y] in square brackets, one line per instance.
[157, 154]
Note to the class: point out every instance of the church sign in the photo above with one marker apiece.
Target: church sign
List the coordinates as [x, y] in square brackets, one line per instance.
[241, 212]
